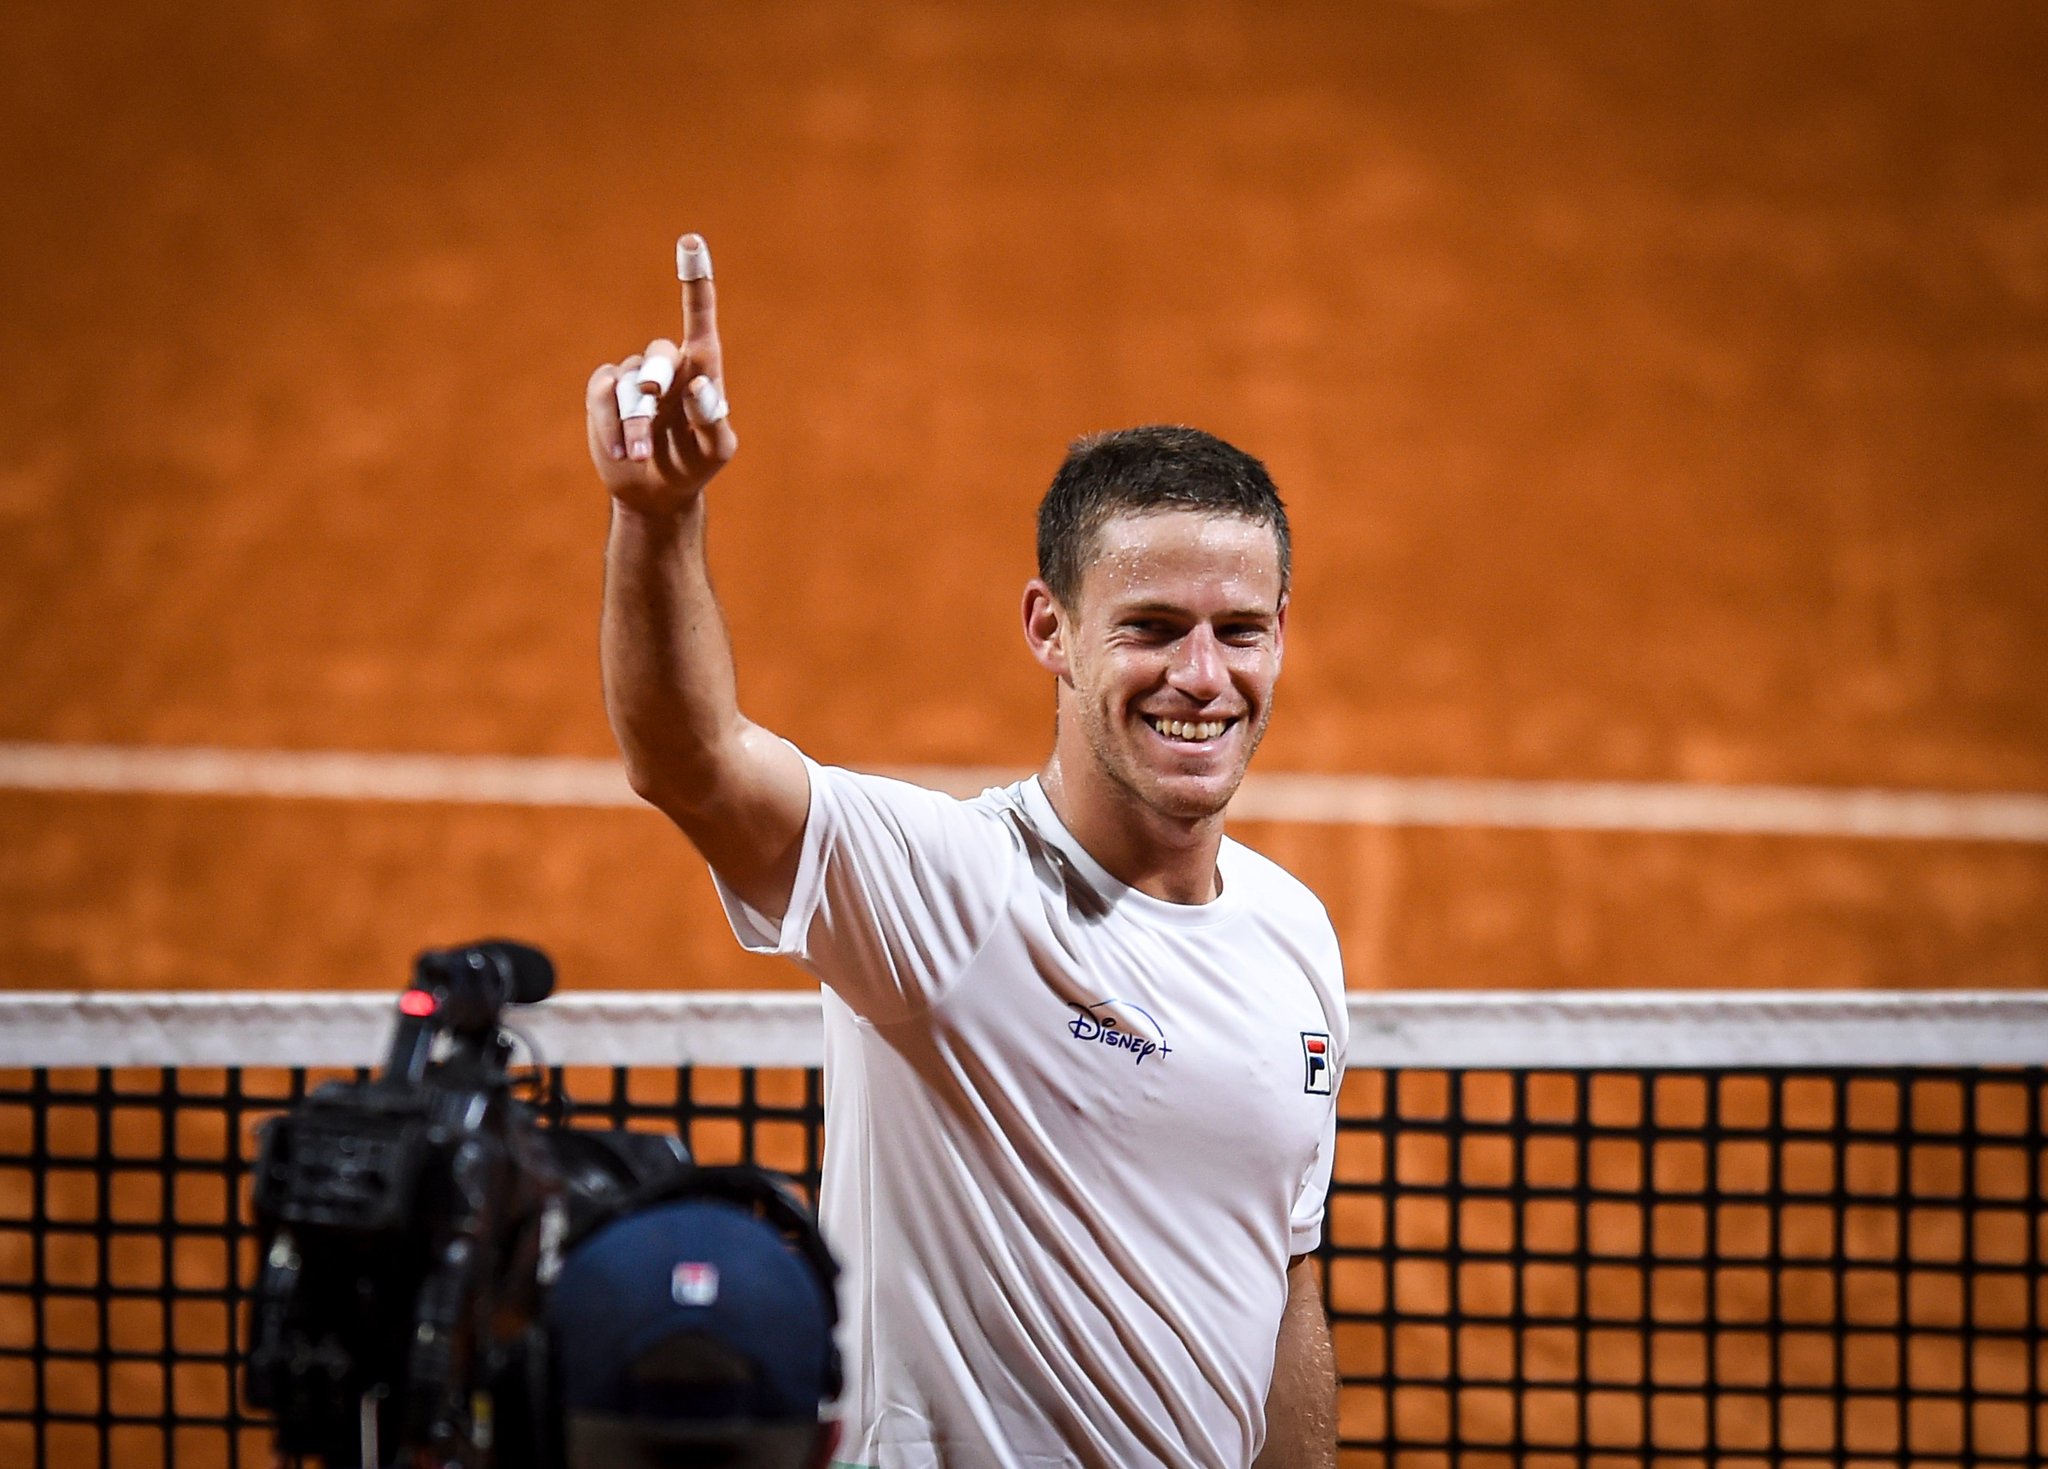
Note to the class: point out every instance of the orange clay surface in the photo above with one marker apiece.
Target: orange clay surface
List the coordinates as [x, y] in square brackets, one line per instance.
[1661, 393]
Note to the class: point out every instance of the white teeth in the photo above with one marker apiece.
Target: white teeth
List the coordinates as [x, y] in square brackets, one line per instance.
[1187, 729]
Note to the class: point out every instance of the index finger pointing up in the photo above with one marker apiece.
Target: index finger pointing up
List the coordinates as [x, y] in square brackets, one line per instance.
[700, 297]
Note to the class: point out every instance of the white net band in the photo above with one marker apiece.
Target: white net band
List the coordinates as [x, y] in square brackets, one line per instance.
[1484, 1031]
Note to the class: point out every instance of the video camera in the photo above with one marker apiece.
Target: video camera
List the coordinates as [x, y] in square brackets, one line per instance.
[410, 1225]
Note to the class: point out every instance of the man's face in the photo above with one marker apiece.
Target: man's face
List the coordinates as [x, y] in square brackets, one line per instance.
[1171, 655]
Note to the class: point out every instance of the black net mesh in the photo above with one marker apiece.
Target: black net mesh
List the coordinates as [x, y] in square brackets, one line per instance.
[1665, 1267]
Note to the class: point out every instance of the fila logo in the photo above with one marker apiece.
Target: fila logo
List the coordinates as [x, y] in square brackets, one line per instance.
[1317, 1071]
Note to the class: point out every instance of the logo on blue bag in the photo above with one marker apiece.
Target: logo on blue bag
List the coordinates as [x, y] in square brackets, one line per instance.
[694, 1283]
[1121, 1026]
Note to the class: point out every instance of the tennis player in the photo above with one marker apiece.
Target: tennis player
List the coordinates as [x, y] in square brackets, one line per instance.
[1082, 1049]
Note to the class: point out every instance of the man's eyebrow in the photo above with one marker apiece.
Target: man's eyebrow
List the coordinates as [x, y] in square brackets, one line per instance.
[1178, 609]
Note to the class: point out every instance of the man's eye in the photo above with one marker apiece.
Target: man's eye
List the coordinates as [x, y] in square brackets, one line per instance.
[1245, 634]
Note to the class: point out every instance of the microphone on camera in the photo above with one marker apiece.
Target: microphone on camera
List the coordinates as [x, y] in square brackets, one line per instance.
[464, 990]
[512, 973]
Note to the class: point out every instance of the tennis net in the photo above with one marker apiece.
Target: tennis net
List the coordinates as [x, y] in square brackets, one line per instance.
[1586, 1230]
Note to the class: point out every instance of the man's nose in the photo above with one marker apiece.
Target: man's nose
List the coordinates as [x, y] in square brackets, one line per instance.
[1198, 668]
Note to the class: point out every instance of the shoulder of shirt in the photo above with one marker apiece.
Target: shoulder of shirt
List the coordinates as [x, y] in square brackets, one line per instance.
[1291, 899]
[999, 805]
[1288, 905]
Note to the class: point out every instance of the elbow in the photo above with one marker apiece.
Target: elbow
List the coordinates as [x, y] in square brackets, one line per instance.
[690, 773]
[664, 788]
[645, 781]
[672, 783]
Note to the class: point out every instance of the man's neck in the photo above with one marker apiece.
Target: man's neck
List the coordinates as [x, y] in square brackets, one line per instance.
[1164, 857]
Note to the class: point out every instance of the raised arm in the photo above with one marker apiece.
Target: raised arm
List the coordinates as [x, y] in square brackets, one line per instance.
[659, 432]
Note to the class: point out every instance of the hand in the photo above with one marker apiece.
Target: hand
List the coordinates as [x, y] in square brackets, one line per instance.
[663, 462]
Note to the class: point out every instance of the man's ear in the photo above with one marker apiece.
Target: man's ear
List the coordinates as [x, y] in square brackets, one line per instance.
[1280, 634]
[1045, 629]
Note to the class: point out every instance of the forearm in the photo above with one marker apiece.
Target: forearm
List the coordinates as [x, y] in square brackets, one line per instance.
[669, 685]
[1301, 1405]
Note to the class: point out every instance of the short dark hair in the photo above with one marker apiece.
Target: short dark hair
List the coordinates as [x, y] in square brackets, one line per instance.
[1136, 471]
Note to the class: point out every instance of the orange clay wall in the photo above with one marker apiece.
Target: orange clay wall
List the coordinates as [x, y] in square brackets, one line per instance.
[1660, 393]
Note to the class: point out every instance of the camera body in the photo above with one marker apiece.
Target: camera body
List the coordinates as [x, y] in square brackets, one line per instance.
[409, 1226]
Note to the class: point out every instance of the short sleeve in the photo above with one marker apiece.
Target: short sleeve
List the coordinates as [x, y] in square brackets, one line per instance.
[1305, 1222]
[1326, 973]
[896, 890]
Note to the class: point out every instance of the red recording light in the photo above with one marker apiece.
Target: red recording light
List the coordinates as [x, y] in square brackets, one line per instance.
[417, 1003]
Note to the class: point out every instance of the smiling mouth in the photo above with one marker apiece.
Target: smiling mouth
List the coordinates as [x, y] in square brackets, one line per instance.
[1189, 731]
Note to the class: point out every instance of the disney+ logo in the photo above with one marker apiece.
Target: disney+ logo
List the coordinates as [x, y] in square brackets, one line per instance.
[1096, 1023]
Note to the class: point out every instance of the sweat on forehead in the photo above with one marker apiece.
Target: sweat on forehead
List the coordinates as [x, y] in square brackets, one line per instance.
[1177, 557]
[1141, 471]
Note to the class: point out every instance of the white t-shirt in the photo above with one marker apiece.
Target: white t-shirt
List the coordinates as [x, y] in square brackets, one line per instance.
[1073, 1133]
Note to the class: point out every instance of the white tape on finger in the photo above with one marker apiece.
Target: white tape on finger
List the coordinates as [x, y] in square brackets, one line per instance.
[633, 403]
[707, 402]
[656, 373]
[693, 259]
